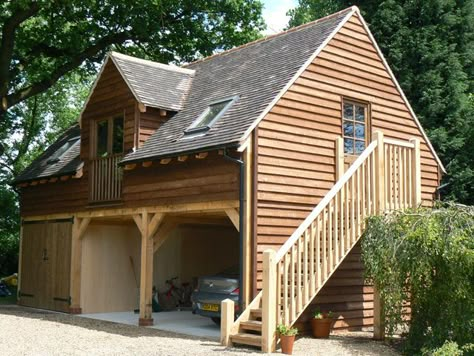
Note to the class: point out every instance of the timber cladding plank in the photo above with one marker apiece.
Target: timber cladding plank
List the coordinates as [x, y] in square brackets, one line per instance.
[296, 165]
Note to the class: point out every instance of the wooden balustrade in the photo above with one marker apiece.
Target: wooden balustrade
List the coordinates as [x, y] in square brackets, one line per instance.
[386, 176]
[105, 180]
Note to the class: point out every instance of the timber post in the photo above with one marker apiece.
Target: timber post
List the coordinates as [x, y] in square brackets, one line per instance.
[379, 328]
[79, 227]
[227, 319]
[148, 225]
[269, 299]
[339, 158]
[416, 173]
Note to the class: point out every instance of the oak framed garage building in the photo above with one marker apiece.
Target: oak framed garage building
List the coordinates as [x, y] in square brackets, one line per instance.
[284, 144]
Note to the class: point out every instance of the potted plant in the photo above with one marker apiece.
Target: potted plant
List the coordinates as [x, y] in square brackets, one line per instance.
[321, 323]
[287, 338]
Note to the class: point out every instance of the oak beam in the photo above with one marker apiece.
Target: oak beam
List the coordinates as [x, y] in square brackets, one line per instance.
[202, 155]
[129, 167]
[78, 229]
[233, 215]
[147, 224]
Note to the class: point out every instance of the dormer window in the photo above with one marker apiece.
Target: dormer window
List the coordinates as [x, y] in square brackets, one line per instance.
[109, 136]
[212, 113]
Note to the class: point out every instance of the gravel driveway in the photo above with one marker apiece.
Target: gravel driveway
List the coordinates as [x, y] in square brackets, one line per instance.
[25, 331]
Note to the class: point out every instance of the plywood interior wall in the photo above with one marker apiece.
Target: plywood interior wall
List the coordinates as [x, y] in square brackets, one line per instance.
[108, 283]
[193, 251]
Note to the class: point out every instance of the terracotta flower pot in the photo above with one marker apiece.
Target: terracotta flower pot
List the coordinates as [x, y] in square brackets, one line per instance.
[321, 327]
[287, 344]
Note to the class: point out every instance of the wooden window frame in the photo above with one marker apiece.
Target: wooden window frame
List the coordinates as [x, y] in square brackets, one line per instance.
[367, 123]
[93, 134]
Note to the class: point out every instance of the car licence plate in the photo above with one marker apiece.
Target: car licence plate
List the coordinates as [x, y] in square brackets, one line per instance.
[210, 307]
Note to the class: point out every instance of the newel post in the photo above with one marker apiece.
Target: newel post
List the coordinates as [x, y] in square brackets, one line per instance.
[227, 320]
[269, 298]
[380, 171]
[416, 172]
[379, 328]
[339, 158]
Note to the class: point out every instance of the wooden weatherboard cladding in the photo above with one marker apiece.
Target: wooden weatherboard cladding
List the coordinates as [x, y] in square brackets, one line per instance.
[296, 139]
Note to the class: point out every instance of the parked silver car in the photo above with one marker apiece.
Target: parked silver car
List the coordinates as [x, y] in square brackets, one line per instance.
[212, 290]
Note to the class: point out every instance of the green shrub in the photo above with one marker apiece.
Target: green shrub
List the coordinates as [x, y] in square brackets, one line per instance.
[450, 348]
[425, 256]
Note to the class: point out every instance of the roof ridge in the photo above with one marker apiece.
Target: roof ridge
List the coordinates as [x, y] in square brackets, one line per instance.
[269, 37]
[152, 63]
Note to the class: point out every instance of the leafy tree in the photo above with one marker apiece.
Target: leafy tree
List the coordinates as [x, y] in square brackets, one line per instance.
[50, 50]
[430, 48]
[42, 40]
[31, 126]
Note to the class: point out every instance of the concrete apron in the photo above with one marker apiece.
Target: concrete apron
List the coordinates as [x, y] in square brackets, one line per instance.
[181, 322]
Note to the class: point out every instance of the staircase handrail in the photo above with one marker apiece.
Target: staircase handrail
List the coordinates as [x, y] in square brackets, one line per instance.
[325, 201]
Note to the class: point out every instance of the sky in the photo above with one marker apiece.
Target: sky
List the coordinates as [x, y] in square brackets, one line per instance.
[274, 13]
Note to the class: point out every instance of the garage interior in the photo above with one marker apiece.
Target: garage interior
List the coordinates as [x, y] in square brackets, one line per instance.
[110, 278]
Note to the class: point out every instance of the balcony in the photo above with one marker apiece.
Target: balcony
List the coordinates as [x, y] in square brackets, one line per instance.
[105, 183]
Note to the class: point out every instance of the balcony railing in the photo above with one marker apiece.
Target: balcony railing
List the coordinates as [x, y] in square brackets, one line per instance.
[105, 183]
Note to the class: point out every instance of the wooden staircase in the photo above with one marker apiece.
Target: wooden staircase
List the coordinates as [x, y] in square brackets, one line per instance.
[386, 176]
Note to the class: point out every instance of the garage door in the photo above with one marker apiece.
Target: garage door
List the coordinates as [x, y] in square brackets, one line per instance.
[46, 264]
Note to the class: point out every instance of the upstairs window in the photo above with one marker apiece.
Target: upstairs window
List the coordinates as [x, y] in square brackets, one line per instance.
[109, 136]
[354, 127]
[212, 113]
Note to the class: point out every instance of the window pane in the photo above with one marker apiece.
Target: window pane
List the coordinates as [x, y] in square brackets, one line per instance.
[102, 138]
[117, 143]
[360, 131]
[349, 111]
[213, 111]
[359, 147]
[360, 113]
[348, 128]
[349, 145]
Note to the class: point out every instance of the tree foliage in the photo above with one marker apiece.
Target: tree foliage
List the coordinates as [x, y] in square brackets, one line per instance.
[425, 256]
[430, 48]
[50, 50]
[43, 40]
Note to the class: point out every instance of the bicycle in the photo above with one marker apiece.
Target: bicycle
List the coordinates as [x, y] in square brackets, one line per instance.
[176, 297]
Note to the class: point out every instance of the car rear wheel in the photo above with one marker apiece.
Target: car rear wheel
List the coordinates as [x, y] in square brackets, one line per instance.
[216, 320]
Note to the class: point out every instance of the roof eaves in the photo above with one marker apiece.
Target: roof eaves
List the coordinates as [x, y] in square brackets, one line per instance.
[48, 176]
[168, 67]
[353, 10]
[179, 153]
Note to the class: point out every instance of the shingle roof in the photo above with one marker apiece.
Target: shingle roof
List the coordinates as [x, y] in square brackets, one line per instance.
[67, 164]
[256, 73]
[154, 84]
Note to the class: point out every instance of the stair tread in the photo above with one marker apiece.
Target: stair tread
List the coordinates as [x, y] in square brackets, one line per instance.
[256, 311]
[255, 325]
[247, 339]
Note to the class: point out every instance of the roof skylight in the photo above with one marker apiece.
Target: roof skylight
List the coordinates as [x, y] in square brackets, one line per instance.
[212, 113]
[56, 156]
